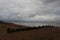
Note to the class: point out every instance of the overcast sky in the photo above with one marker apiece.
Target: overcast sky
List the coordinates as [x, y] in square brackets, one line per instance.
[30, 10]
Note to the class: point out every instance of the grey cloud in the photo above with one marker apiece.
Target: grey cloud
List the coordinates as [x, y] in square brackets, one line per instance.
[49, 1]
[30, 10]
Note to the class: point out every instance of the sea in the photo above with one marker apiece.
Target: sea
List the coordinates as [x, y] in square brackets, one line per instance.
[36, 23]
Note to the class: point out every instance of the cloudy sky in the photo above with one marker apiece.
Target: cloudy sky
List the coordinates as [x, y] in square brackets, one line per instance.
[30, 10]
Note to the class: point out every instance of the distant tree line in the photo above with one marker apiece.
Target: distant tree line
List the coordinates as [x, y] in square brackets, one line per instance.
[9, 30]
